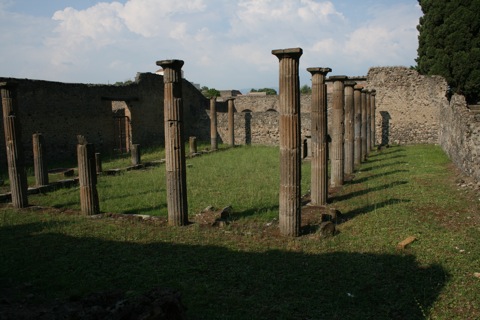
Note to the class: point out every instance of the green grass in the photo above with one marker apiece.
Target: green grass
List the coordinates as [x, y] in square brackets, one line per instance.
[245, 270]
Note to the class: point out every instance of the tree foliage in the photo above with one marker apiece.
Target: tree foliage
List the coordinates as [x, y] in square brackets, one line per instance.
[269, 91]
[210, 92]
[449, 44]
[305, 89]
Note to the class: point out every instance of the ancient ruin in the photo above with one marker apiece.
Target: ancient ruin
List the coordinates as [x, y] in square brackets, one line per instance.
[318, 132]
[338, 127]
[357, 148]
[175, 166]
[231, 127]
[372, 119]
[13, 142]
[349, 128]
[213, 123]
[363, 128]
[290, 146]
[87, 177]
[39, 163]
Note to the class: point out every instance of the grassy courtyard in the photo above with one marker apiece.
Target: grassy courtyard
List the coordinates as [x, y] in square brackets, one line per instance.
[245, 270]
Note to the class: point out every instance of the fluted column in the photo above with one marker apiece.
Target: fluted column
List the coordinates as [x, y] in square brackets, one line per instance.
[290, 144]
[372, 117]
[364, 125]
[231, 125]
[357, 149]
[213, 124]
[349, 128]
[135, 154]
[369, 126]
[87, 178]
[39, 164]
[13, 143]
[318, 132]
[174, 143]
[338, 118]
[192, 145]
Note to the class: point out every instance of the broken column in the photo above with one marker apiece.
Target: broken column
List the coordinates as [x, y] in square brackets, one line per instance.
[372, 118]
[369, 127]
[192, 145]
[290, 144]
[338, 118]
[135, 154]
[98, 162]
[319, 143]
[174, 143]
[357, 147]
[13, 143]
[87, 177]
[39, 163]
[231, 126]
[363, 132]
[349, 128]
[213, 124]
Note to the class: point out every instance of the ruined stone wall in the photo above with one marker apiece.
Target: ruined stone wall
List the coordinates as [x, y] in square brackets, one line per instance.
[408, 105]
[61, 111]
[459, 135]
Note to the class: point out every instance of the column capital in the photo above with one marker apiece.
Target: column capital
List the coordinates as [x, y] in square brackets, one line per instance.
[8, 85]
[337, 78]
[229, 98]
[294, 53]
[350, 83]
[213, 98]
[373, 92]
[170, 64]
[322, 71]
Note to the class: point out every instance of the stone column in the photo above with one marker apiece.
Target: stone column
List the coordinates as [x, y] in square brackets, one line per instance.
[364, 125]
[369, 127]
[338, 118]
[193, 145]
[231, 125]
[213, 124]
[13, 143]
[357, 148]
[135, 154]
[174, 143]
[98, 162]
[372, 121]
[349, 128]
[290, 144]
[87, 178]
[319, 143]
[39, 164]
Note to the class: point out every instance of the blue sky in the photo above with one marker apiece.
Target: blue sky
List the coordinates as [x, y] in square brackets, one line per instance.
[225, 44]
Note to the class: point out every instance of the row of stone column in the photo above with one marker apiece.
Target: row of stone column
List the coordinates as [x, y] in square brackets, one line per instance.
[352, 135]
[213, 123]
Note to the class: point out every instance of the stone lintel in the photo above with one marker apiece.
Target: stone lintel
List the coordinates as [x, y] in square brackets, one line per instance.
[358, 87]
[323, 71]
[294, 53]
[8, 85]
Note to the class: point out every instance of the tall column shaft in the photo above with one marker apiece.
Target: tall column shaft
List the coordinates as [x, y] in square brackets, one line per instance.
[231, 125]
[87, 178]
[357, 153]
[13, 143]
[338, 118]
[349, 128]
[290, 144]
[364, 126]
[369, 126]
[213, 124]
[39, 164]
[174, 143]
[372, 117]
[318, 132]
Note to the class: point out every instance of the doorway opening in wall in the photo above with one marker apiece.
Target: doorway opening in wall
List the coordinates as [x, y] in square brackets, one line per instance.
[122, 129]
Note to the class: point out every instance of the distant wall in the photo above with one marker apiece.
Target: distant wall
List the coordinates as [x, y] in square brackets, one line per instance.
[408, 105]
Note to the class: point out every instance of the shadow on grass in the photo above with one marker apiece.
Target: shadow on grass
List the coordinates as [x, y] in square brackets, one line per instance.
[373, 176]
[385, 158]
[254, 211]
[368, 190]
[372, 207]
[386, 165]
[387, 151]
[218, 283]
